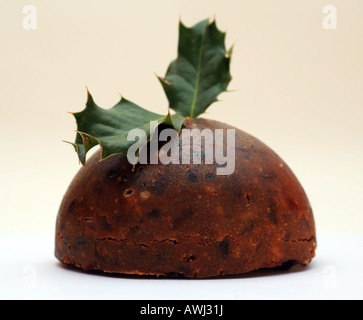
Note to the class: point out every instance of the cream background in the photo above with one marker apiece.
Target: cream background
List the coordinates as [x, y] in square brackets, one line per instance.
[298, 88]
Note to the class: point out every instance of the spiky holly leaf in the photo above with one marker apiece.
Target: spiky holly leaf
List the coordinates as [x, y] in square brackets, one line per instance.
[109, 128]
[201, 71]
[193, 82]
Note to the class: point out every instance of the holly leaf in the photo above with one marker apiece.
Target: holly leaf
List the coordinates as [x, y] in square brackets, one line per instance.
[109, 128]
[192, 83]
[201, 71]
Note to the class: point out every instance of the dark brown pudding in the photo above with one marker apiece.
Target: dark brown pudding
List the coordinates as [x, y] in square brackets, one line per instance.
[184, 220]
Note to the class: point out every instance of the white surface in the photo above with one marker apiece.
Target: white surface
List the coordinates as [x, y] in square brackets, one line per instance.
[28, 270]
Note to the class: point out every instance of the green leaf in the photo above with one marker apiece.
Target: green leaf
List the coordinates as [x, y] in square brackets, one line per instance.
[109, 128]
[201, 71]
[192, 83]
